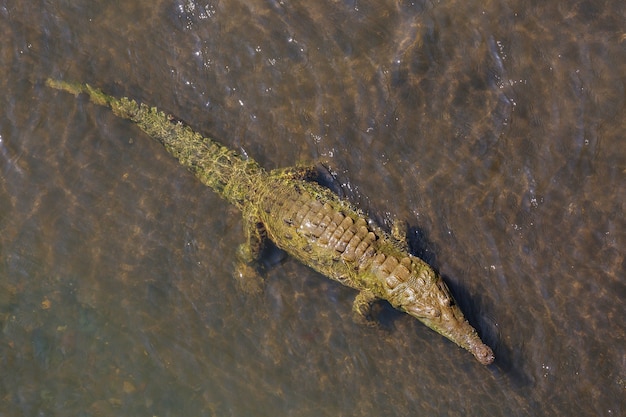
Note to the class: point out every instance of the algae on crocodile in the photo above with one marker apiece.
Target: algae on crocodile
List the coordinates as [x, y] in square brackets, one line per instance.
[307, 221]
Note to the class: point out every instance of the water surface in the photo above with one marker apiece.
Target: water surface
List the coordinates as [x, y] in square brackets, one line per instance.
[495, 129]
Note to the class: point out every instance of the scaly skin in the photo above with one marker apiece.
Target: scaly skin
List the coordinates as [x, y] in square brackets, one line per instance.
[308, 222]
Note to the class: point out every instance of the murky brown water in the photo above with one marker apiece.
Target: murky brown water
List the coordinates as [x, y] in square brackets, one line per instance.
[496, 129]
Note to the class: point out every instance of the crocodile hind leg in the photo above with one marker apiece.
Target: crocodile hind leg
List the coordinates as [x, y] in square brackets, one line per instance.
[298, 172]
[248, 255]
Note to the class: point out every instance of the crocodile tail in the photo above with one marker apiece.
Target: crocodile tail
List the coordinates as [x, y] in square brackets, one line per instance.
[222, 169]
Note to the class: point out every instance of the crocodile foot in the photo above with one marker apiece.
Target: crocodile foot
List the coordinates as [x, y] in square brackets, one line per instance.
[248, 279]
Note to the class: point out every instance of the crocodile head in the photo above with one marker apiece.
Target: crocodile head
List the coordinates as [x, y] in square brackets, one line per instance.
[426, 297]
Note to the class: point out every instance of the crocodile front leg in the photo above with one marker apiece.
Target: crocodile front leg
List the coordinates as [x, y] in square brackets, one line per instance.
[362, 307]
[398, 232]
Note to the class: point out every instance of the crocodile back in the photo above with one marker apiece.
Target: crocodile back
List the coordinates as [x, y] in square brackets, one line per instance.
[328, 234]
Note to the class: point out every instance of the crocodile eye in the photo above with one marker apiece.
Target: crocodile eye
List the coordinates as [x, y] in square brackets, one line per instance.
[444, 297]
[423, 311]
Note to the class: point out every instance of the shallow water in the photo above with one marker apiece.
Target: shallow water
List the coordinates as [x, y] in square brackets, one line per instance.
[495, 129]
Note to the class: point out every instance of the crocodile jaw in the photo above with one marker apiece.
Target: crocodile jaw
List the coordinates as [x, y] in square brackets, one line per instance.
[482, 353]
[431, 302]
[451, 323]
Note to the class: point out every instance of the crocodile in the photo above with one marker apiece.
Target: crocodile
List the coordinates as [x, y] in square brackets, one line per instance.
[307, 221]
